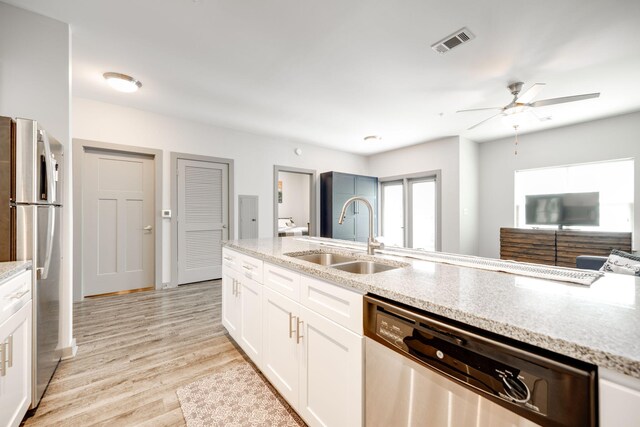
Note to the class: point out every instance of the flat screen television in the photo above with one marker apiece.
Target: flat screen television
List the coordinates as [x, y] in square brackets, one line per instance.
[567, 209]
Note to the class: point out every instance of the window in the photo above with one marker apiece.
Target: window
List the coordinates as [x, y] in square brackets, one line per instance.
[612, 179]
[409, 211]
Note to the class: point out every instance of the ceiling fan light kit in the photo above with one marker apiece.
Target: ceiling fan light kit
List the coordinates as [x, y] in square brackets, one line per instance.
[523, 103]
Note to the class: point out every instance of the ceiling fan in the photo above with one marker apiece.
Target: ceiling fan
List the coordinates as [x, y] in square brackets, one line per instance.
[521, 103]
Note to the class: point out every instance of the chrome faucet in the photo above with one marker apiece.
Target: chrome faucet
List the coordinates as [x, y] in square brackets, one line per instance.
[372, 243]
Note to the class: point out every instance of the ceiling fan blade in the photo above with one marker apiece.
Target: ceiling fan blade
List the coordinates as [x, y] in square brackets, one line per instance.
[562, 100]
[530, 93]
[482, 122]
[479, 109]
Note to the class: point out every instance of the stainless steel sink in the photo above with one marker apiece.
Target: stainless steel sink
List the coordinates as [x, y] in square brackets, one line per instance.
[364, 267]
[324, 258]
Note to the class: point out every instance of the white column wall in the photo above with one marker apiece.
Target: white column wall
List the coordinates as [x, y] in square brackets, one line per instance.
[35, 83]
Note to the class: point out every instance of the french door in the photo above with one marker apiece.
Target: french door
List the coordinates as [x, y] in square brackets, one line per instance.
[410, 212]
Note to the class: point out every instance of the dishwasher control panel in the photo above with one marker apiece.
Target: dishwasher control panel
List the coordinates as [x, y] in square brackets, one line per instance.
[524, 382]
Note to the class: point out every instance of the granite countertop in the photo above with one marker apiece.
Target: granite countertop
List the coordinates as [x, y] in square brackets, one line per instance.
[11, 268]
[599, 324]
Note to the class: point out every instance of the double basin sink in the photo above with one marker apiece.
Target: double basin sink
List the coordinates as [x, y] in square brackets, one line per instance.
[344, 263]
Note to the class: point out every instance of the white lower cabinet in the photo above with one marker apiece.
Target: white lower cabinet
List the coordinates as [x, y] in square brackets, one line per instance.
[313, 362]
[15, 367]
[230, 302]
[619, 399]
[250, 336]
[305, 335]
[280, 357]
[331, 373]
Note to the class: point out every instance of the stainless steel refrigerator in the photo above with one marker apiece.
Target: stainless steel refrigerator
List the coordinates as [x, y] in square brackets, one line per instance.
[31, 163]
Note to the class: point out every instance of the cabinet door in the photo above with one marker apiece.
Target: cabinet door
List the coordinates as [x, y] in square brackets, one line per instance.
[366, 187]
[279, 349]
[330, 373]
[619, 401]
[250, 336]
[344, 187]
[15, 383]
[230, 302]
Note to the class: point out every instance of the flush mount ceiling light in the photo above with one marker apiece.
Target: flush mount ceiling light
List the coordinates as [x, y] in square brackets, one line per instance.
[372, 138]
[122, 82]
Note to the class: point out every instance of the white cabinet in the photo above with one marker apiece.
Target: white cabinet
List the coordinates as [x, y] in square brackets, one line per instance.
[15, 366]
[280, 348]
[250, 336]
[230, 301]
[331, 373]
[241, 311]
[619, 399]
[304, 334]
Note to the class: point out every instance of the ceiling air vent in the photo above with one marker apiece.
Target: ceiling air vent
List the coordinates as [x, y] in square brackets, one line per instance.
[459, 37]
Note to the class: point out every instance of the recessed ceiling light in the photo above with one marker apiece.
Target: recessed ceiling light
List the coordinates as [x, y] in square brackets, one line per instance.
[372, 138]
[122, 82]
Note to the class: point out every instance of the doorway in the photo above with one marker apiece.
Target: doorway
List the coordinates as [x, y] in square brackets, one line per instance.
[294, 202]
[202, 203]
[248, 217]
[411, 210]
[117, 192]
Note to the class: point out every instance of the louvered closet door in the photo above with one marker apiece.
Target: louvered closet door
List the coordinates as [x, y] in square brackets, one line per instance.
[202, 219]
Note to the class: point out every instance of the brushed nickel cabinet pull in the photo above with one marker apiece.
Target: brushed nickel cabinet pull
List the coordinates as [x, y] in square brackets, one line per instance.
[291, 317]
[3, 359]
[246, 267]
[228, 258]
[235, 287]
[10, 351]
[298, 336]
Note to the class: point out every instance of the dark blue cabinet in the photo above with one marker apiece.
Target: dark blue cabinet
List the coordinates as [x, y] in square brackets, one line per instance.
[335, 189]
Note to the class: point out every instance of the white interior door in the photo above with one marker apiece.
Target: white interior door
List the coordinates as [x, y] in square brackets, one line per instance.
[203, 218]
[117, 222]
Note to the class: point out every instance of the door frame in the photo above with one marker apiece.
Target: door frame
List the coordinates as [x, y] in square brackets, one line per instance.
[408, 214]
[79, 147]
[313, 214]
[257, 198]
[175, 156]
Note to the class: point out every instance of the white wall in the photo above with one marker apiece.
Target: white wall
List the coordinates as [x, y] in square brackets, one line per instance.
[35, 73]
[295, 197]
[254, 155]
[469, 187]
[441, 154]
[607, 139]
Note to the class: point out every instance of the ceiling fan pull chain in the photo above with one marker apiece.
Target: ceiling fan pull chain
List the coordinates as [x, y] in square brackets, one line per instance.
[515, 127]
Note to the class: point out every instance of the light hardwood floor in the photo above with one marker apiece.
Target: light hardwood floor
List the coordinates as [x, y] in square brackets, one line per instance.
[134, 352]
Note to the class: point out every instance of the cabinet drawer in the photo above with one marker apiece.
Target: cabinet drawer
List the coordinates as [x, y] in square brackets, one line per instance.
[251, 267]
[334, 302]
[281, 280]
[231, 259]
[14, 294]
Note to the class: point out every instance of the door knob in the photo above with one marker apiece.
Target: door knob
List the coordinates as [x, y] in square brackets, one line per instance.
[148, 228]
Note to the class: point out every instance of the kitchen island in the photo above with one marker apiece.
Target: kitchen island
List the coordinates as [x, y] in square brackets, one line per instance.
[599, 324]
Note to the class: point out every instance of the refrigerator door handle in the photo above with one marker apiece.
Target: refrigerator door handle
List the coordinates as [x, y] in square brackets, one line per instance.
[51, 228]
[49, 166]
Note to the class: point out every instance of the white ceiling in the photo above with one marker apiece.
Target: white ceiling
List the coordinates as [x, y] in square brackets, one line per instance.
[331, 72]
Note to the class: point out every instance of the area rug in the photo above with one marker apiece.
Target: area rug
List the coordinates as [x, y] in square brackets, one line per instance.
[237, 396]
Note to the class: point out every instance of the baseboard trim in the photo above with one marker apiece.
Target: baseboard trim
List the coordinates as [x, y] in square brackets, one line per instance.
[69, 352]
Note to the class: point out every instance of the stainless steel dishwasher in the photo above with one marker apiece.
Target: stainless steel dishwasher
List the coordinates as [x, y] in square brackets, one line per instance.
[422, 370]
